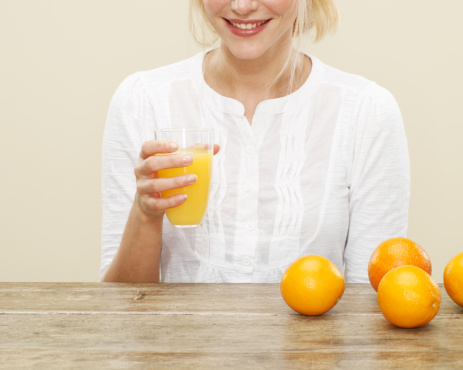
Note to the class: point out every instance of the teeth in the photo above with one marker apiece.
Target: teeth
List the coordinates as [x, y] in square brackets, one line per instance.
[246, 26]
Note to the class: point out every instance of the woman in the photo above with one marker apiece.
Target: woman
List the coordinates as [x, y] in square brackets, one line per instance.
[312, 160]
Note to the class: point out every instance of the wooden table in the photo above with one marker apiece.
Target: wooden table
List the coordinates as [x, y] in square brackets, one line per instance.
[211, 326]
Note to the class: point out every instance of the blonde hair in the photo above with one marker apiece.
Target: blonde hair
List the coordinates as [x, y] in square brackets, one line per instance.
[318, 16]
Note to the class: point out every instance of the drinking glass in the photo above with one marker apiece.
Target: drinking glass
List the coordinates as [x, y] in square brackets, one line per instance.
[198, 144]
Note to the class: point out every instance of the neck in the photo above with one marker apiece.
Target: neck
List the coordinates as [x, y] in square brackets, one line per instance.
[268, 75]
[253, 81]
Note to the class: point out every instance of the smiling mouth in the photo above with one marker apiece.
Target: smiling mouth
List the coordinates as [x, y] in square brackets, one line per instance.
[247, 26]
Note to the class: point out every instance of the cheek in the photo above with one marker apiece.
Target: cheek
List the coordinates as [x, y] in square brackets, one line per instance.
[282, 7]
[213, 7]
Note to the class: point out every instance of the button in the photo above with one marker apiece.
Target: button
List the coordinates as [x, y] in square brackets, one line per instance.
[246, 261]
[250, 225]
[250, 149]
[247, 187]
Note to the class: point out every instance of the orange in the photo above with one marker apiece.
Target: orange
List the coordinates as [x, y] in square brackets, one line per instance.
[312, 285]
[408, 297]
[393, 253]
[453, 279]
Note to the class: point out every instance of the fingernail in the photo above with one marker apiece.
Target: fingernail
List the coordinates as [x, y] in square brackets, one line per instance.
[188, 159]
[172, 146]
[191, 179]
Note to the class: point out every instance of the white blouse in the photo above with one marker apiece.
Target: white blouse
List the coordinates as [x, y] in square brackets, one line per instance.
[324, 170]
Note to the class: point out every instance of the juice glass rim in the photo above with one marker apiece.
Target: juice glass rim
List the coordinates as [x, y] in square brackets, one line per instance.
[199, 129]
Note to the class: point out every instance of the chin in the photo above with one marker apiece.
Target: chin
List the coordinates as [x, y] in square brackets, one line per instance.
[246, 52]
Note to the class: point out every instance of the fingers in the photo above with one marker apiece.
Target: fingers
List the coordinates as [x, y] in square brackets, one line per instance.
[152, 147]
[149, 191]
[154, 205]
[155, 163]
[155, 186]
[149, 186]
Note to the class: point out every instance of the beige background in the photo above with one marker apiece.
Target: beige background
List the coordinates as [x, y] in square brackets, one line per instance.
[61, 61]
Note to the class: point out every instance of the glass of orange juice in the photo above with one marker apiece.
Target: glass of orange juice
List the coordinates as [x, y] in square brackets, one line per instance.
[198, 144]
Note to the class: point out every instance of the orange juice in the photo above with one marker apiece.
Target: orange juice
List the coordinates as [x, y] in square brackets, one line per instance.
[191, 212]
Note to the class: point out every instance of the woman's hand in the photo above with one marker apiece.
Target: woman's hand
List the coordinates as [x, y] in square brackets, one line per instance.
[149, 187]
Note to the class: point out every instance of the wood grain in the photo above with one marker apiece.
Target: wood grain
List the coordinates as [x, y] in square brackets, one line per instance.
[72, 325]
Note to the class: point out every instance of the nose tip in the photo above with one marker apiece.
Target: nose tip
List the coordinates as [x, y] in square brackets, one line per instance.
[243, 6]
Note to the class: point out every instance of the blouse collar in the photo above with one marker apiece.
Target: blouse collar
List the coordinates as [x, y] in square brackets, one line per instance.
[215, 101]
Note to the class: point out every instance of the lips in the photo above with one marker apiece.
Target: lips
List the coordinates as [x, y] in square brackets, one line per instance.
[248, 27]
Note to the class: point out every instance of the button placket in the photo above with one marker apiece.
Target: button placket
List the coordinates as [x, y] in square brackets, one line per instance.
[250, 225]
[250, 149]
[248, 203]
[246, 261]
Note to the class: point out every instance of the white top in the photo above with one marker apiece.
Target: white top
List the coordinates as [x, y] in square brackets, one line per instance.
[324, 170]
